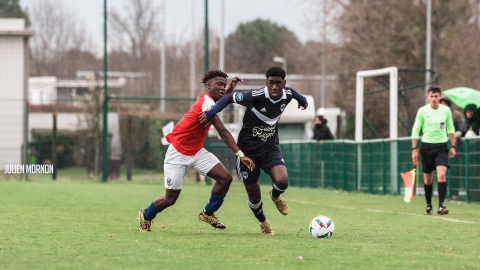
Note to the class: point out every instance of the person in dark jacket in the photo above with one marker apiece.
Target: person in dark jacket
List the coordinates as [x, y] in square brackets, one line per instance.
[321, 130]
[472, 121]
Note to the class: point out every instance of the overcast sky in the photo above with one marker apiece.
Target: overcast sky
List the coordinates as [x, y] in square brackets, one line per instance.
[289, 13]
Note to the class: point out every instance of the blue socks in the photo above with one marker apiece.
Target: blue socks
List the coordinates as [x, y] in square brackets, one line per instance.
[150, 212]
[214, 204]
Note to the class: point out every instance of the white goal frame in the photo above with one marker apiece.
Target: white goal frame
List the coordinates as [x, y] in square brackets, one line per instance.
[393, 73]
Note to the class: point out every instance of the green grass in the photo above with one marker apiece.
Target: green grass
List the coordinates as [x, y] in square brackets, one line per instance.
[92, 225]
[139, 175]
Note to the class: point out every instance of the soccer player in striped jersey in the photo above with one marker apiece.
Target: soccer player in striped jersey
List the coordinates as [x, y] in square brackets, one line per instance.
[258, 139]
[186, 151]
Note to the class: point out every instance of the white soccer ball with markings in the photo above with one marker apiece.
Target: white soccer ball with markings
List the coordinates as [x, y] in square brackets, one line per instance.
[321, 227]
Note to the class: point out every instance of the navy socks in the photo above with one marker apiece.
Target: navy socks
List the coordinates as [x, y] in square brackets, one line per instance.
[258, 211]
[150, 212]
[214, 204]
[276, 192]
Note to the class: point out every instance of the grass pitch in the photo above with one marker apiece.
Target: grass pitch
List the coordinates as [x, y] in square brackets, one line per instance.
[91, 225]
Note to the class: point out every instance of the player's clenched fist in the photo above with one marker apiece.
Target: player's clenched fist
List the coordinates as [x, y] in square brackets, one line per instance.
[302, 107]
[235, 81]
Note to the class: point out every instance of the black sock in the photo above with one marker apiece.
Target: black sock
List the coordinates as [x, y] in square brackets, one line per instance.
[442, 191]
[257, 210]
[428, 193]
[276, 192]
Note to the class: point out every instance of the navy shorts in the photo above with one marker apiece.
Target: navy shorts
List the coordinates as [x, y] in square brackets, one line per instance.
[265, 160]
[433, 155]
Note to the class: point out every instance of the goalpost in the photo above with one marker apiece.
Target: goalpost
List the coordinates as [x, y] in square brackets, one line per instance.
[393, 73]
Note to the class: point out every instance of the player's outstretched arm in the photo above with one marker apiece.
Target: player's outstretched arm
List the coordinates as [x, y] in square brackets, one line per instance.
[230, 142]
[232, 85]
[302, 101]
[206, 116]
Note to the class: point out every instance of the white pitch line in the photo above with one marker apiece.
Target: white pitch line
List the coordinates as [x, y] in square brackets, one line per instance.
[388, 212]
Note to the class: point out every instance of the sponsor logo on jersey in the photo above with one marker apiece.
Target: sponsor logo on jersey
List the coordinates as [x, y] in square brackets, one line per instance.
[282, 107]
[239, 97]
[442, 125]
[169, 181]
[258, 92]
[263, 132]
[244, 175]
[263, 110]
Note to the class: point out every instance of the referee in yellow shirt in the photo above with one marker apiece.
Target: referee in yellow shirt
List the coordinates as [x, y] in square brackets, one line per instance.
[436, 122]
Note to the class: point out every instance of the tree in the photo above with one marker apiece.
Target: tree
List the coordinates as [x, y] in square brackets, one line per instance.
[134, 36]
[90, 103]
[253, 45]
[136, 32]
[73, 60]
[56, 33]
[377, 34]
[12, 9]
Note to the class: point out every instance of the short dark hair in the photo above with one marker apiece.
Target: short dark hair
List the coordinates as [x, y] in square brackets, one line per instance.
[213, 73]
[434, 89]
[275, 72]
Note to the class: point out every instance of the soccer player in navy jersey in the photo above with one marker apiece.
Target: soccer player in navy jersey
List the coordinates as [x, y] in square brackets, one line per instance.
[186, 151]
[258, 139]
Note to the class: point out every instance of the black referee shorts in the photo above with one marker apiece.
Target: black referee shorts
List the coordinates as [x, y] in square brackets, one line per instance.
[433, 155]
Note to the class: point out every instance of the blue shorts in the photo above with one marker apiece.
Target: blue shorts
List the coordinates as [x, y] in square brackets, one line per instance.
[265, 160]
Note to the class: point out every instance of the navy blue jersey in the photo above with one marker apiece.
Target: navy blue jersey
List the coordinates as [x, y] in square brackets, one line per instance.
[260, 122]
[260, 129]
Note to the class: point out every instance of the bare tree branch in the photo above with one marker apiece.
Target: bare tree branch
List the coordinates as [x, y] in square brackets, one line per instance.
[56, 32]
[137, 31]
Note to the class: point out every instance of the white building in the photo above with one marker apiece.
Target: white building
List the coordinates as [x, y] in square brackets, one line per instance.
[53, 91]
[42, 90]
[50, 90]
[13, 89]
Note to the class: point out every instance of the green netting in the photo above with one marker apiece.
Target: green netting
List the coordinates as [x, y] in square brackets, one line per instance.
[336, 164]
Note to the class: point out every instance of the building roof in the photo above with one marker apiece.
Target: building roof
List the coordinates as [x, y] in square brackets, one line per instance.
[14, 27]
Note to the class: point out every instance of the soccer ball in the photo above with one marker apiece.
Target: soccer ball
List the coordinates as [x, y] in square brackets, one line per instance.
[321, 227]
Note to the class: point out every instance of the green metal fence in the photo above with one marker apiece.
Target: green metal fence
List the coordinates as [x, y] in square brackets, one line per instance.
[372, 166]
